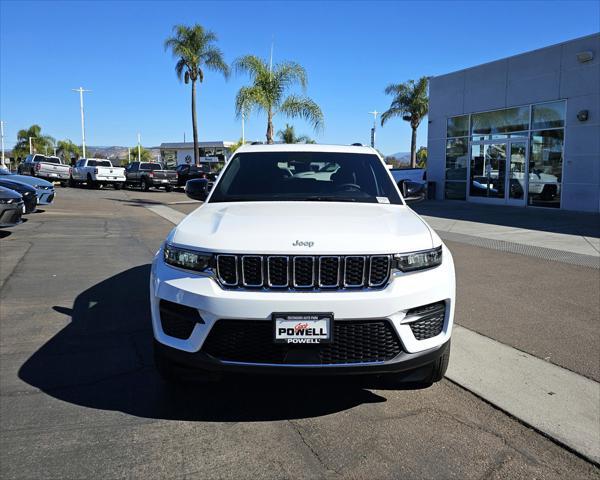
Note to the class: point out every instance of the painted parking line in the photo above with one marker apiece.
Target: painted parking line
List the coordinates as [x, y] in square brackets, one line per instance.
[560, 403]
[555, 401]
[167, 213]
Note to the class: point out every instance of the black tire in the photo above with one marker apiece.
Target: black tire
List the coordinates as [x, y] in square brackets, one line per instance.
[64, 184]
[168, 188]
[117, 185]
[91, 183]
[72, 183]
[172, 374]
[144, 185]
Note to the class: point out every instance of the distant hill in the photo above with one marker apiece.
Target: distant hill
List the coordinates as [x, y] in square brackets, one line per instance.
[399, 159]
[116, 152]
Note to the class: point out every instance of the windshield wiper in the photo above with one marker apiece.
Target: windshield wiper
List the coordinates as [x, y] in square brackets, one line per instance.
[321, 198]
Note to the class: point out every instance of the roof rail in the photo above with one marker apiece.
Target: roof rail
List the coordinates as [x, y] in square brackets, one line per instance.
[357, 144]
[256, 143]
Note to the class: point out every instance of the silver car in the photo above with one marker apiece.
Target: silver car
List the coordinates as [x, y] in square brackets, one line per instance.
[11, 207]
[44, 189]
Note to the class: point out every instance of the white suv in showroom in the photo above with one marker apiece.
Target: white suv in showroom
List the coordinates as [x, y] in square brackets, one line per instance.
[303, 259]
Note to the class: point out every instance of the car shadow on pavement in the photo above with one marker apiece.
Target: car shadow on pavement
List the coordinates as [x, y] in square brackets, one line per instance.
[103, 360]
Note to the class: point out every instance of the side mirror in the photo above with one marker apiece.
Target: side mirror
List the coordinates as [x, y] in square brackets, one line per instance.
[197, 189]
[412, 191]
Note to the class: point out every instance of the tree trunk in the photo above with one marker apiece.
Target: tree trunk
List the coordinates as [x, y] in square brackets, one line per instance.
[270, 127]
[413, 148]
[195, 124]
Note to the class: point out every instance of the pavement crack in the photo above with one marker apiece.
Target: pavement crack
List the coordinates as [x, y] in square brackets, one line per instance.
[314, 452]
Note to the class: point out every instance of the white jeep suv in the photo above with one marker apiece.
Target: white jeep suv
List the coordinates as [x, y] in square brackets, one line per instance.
[303, 259]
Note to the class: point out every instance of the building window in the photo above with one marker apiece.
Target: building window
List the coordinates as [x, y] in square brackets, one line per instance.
[457, 126]
[488, 124]
[545, 168]
[548, 115]
[457, 156]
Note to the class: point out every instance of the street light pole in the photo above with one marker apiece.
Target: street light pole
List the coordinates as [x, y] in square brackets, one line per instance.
[374, 113]
[243, 131]
[139, 149]
[30, 146]
[2, 136]
[81, 90]
[128, 155]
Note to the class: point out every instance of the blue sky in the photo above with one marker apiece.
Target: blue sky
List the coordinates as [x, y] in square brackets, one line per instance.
[351, 51]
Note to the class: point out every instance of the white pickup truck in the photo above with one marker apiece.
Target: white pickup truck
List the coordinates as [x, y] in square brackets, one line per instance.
[48, 168]
[96, 172]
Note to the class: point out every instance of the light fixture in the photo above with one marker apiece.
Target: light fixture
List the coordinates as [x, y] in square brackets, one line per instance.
[582, 115]
[583, 57]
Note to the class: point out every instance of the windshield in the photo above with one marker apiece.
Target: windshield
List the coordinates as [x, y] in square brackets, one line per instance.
[305, 176]
[150, 166]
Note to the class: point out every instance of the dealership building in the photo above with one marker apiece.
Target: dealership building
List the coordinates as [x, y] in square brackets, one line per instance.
[173, 154]
[523, 131]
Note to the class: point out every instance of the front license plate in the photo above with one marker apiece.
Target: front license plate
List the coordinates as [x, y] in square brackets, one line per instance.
[53, 175]
[302, 327]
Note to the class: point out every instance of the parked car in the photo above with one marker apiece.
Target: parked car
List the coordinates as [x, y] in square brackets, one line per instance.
[49, 168]
[96, 172]
[417, 175]
[148, 175]
[11, 208]
[187, 172]
[43, 189]
[27, 192]
[293, 274]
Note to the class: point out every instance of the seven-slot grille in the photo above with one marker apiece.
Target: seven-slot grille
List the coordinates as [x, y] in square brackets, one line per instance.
[303, 271]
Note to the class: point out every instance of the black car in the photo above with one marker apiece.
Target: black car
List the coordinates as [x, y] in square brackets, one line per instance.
[11, 208]
[188, 172]
[28, 193]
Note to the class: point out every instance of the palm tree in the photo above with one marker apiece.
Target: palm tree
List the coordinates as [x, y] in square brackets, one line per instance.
[67, 149]
[267, 92]
[288, 135]
[38, 141]
[194, 47]
[412, 104]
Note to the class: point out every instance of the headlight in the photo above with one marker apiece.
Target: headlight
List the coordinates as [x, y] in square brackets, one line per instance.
[419, 260]
[187, 259]
[8, 200]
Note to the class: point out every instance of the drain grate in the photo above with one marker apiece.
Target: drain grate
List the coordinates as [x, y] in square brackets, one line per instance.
[590, 261]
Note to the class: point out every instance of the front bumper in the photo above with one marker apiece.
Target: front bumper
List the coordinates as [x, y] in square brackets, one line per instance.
[10, 215]
[403, 362]
[404, 292]
[45, 196]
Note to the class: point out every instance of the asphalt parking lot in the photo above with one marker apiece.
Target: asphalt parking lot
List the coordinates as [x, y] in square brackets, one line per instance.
[79, 396]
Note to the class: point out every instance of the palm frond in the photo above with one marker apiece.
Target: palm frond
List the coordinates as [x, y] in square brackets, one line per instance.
[213, 59]
[250, 64]
[303, 107]
[248, 99]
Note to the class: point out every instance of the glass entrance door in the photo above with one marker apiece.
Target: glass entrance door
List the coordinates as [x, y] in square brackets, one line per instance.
[517, 178]
[487, 175]
[498, 171]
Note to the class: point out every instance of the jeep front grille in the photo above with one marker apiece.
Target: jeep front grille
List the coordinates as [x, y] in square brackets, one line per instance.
[303, 272]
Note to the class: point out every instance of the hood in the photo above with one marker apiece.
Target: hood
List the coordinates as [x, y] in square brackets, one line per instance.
[7, 194]
[303, 228]
[33, 181]
[16, 185]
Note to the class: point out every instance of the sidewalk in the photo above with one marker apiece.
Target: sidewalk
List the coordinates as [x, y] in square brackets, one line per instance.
[572, 232]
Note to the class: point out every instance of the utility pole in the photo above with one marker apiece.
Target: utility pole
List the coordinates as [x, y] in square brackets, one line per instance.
[243, 131]
[128, 155]
[2, 136]
[374, 113]
[81, 90]
[139, 149]
[30, 146]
